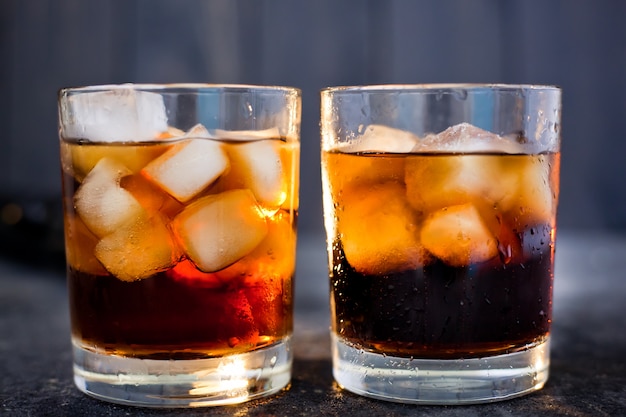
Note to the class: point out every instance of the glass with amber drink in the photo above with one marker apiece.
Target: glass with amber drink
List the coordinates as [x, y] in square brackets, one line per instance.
[180, 205]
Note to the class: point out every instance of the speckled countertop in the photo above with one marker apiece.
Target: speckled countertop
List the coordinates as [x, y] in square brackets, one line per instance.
[588, 369]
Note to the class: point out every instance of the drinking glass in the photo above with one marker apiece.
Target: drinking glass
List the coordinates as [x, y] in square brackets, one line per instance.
[180, 208]
[440, 211]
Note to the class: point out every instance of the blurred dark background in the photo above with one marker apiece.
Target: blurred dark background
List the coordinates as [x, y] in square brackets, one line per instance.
[579, 45]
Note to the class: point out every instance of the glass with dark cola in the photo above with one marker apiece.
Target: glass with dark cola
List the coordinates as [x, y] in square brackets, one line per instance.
[440, 211]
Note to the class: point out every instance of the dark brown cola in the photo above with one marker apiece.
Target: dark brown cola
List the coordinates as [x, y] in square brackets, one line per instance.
[440, 311]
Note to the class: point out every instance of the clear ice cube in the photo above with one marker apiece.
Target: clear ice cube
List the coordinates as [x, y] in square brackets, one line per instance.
[466, 138]
[530, 200]
[100, 201]
[380, 138]
[346, 172]
[120, 115]
[436, 182]
[188, 167]
[458, 236]
[217, 230]
[198, 131]
[379, 231]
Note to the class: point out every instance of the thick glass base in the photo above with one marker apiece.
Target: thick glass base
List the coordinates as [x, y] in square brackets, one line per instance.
[444, 382]
[185, 383]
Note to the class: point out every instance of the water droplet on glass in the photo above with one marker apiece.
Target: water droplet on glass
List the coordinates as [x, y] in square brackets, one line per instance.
[247, 110]
[506, 253]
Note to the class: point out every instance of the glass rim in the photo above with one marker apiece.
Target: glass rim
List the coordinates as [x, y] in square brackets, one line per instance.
[181, 88]
[438, 88]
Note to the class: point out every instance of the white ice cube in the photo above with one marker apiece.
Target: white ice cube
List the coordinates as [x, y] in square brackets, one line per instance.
[273, 259]
[466, 138]
[120, 115]
[290, 159]
[380, 138]
[217, 230]
[101, 202]
[198, 131]
[138, 249]
[78, 160]
[188, 167]
[458, 236]
[244, 135]
[258, 166]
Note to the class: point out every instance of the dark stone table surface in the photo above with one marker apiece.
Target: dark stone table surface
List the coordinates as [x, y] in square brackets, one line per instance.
[588, 368]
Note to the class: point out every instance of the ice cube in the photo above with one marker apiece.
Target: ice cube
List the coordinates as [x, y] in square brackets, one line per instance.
[246, 135]
[171, 133]
[258, 166]
[379, 231]
[273, 259]
[80, 244]
[346, 172]
[120, 115]
[102, 203]
[217, 230]
[78, 160]
[188, 167]
[469, 172]
[379, 138]
[150, 196]
[138, 249]
[466, 138]
[530, 200]
[434, 182]
[290, 160]
[458, 236]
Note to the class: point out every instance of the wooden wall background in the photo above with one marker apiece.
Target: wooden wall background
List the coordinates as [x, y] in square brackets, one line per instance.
[577, 44]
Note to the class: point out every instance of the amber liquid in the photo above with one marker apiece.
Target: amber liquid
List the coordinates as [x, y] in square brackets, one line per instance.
[178, 312]
[436, 308]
